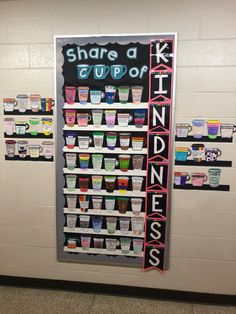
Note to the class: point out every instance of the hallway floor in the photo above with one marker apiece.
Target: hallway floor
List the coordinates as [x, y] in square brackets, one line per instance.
[39, 301]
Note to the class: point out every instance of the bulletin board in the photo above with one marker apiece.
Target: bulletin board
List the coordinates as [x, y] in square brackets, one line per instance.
[117, 213]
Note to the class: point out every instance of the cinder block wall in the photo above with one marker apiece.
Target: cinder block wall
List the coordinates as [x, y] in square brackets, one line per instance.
[203, 228]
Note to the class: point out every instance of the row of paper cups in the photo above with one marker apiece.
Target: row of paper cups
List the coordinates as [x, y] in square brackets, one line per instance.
[112, 204]
[109, 223]
[96, 96]
[198, 128]
[88, 242]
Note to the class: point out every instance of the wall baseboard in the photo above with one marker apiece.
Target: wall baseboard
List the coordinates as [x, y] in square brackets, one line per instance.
[98, 288]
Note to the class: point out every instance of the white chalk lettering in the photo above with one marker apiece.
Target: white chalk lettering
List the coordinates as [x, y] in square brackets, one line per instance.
[156, 203]
[154, 227]
[154, 175]
[112, 55]
[160, 87]
[103, 52]
[132, 53]
[154, 255]
[159, 54]
[71, 55]
[82, 54]
[83, 73]
[156, 116]
[134, 72]
[94, 53]
[158, 139]
[143, 70]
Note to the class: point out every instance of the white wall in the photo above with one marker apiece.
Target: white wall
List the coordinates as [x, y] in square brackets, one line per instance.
[203, 228]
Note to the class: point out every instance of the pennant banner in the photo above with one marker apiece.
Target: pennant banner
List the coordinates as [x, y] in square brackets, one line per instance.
[158, 160]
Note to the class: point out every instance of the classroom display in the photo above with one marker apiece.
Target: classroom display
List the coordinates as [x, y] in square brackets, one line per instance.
[114, 112]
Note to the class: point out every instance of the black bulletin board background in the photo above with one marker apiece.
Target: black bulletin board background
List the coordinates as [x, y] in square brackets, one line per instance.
[70, 70]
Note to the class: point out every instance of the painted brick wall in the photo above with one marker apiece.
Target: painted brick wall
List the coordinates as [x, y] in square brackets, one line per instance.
[203, 228]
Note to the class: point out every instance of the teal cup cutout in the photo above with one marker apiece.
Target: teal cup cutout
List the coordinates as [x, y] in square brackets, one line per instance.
[182, 155]
[214, 177]
[118, 71]
[100, 71]
[83, 71]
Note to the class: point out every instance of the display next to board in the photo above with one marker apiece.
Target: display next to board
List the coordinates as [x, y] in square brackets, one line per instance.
[114, 97]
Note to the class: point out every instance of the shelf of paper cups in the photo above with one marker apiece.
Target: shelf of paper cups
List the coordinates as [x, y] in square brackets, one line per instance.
[101, 251]
[103, 172]
[91, 127]
[102, 212]
[104, 192]
[104, 232]
[104, 150]
[106, 106]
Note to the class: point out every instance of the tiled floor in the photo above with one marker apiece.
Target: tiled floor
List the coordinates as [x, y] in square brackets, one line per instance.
[41, 301]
